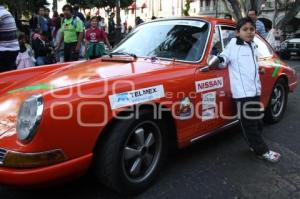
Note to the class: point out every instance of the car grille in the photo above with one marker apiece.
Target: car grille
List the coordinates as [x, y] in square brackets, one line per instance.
[2, 155]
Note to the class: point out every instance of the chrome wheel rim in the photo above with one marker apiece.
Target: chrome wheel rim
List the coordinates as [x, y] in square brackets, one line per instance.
[277, 100]
[142, 151]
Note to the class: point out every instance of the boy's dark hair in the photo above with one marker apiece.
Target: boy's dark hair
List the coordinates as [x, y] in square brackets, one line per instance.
[252, 9]
[69, 7]
[243, 21]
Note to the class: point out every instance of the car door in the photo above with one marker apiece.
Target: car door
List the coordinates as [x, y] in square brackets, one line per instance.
[213, 99]
[269, 65]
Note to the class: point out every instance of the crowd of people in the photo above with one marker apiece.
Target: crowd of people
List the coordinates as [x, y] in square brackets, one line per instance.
[68, 36]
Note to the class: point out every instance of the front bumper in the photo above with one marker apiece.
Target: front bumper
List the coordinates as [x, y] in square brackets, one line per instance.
[46, 175]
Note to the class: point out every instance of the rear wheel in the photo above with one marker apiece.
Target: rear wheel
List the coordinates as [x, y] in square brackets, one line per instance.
[130, 157]
[277, 103]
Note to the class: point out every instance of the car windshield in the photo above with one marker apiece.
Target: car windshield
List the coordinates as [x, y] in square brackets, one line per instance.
[174, 39]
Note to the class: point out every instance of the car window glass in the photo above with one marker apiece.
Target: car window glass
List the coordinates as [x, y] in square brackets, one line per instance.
[175, 39]
[263, 50]
[216, 43]
[227, 34]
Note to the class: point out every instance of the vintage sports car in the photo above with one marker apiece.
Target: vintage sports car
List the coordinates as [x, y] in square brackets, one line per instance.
[119, 115]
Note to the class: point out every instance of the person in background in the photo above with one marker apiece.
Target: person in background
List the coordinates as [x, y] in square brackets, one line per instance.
[9, 45]
[94, 39]
[72, 35]
[57, 36]
[260, 27]
[78, 14]
[240, 56]
[87, 24]
[111, 29]
[40, 47]
[102, 24]
[228, 16]
[138, 21]
[153, 17]
[25, 57]
[49, 24]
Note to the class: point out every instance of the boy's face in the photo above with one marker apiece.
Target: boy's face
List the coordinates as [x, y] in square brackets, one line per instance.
[247, 32]
[67, 13]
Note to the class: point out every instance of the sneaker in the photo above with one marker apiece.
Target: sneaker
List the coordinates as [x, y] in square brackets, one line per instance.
[271, 156]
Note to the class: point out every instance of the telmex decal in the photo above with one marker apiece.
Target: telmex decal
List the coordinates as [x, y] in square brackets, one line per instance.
[136, 96]
[209, 84]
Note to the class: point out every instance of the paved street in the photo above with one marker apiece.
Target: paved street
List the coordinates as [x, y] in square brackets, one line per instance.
[218, 167]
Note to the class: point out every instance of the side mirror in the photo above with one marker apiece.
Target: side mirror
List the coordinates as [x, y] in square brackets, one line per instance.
[213, 61]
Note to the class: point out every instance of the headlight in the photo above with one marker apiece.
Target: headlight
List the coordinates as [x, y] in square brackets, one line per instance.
[29, 117]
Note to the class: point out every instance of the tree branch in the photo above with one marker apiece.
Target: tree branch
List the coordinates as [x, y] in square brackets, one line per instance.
[292, 12]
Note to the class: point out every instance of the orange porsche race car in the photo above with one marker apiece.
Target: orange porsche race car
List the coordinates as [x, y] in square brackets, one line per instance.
[119, 115]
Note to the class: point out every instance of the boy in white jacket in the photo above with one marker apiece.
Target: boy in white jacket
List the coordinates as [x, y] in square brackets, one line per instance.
[241, 57]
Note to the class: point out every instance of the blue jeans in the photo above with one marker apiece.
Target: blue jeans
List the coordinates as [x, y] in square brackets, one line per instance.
[42, 60]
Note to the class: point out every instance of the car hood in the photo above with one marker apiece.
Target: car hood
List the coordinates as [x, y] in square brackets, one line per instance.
[74, 73]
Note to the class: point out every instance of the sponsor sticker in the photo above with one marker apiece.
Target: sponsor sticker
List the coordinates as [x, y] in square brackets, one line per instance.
[185, 109]
[208, 100]
[136, 96]
[209, 84]
[208, 114]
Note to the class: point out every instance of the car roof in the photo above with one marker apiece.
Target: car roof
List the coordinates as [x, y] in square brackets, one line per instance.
[212, 20]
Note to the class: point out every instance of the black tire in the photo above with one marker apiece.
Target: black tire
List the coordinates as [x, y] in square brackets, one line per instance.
[113, 165]
[277, 103]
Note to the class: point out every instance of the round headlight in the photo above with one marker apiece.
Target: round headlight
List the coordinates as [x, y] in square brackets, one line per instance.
[29, 117]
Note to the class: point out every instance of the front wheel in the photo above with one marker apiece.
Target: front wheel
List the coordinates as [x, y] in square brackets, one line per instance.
[130, 157]
[277, 103]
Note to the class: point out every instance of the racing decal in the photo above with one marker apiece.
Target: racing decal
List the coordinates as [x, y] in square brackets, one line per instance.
[222, 94]
[209, 84]
[208, 100]
[136, 96]
[185, 109]
[277, 66]
[209, 114]
[208, 106]
[30, 88]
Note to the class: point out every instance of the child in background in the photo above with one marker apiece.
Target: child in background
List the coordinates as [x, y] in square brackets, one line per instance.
[94, 40]
[241, 56]
[25, 57]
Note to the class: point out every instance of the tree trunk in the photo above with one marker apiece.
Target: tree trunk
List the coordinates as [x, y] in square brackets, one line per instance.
[54, 7]
[237, 8]
[292, 12]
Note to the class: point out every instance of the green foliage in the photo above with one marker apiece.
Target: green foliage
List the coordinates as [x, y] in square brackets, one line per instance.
[100, 3]
[187, 8]
[23, 7]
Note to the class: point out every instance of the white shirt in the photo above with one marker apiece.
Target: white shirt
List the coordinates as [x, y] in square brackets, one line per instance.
[243, 68]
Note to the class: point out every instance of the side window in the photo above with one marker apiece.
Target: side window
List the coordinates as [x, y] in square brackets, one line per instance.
[216, 43]
[263, 50]
[227, 34]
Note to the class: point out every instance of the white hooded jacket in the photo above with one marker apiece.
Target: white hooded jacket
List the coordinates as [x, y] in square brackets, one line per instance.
[241, 58]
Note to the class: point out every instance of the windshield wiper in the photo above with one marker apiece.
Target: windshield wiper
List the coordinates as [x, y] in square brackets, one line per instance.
[123, 53]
